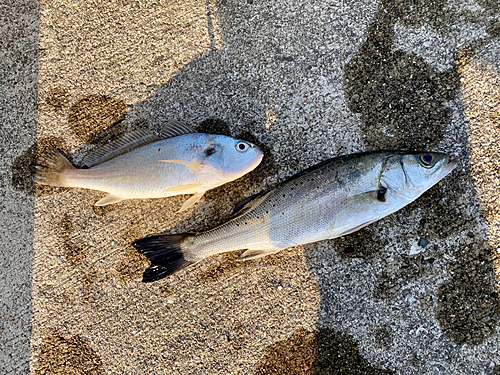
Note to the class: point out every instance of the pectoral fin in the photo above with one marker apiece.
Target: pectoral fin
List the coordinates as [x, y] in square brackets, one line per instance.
[194, 166]
[256, 254]
[109, 199]
[191, 201]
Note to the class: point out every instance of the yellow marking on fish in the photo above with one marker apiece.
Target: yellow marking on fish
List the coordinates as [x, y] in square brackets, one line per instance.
[190, 164]
[183, 188]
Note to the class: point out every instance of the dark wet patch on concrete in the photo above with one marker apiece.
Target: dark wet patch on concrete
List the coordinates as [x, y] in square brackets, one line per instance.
[494, 30]
[468, 308]
[440, 15]
[23, 166]
[400, 99]
[364, 243]
[402, 105]
[444, 212]
[226, 265]
[64, 354]
[58, 98]
[383, 337]
[238, 336]
[102, 210]
[416, 13]
[402, 271]
[94, 114]
[489, 16]
[89, 287]
[74, 253]
[321, 352]
[110, 134]
[166, 291]
[214, 126]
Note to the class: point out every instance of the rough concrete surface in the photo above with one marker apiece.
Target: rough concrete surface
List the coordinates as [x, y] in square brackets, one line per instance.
[415, 293]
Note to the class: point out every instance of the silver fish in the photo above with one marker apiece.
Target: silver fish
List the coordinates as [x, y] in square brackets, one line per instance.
[329, 200]
[141, 165]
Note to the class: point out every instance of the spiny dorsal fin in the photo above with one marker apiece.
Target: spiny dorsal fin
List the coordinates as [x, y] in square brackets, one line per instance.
[175, 128]
[249, 203]
[121, 146]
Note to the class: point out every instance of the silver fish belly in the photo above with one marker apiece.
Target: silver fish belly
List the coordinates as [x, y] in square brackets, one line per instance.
[329, 200]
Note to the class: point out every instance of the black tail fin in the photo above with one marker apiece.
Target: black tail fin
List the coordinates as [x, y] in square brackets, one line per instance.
[165, 254]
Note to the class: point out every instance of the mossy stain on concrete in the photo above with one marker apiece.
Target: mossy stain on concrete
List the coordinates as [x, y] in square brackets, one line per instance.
[68, 355]
[320, 352]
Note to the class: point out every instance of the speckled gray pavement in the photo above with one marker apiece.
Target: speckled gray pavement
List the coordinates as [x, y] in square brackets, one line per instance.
[415, 293]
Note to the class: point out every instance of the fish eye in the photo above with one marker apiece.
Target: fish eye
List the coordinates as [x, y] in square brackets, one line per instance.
[426, 160]
[242, 146]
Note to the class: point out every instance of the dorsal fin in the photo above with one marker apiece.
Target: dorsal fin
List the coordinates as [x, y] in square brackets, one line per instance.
[175, 128]
[249, 203]
[121, 146]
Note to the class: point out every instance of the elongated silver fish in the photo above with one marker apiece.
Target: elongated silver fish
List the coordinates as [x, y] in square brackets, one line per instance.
[141, 165]
[329, 200]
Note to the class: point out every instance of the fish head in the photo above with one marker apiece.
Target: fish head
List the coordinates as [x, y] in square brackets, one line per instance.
[409, 175]
[229, 158]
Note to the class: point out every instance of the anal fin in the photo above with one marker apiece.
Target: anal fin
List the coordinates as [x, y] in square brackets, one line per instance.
[256, 254]
[191, 201]
[109, 199]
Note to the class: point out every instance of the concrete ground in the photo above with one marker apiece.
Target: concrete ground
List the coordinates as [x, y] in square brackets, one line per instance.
[415, 293]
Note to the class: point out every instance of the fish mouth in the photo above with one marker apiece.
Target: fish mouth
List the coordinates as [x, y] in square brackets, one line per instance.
[255, 162]
[450, 166]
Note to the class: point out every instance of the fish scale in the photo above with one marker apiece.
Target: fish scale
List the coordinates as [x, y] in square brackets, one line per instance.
[139, 173]
[300, 209]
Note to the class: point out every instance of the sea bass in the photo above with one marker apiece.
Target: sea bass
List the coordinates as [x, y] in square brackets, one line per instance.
[141, 165]
[329, 200]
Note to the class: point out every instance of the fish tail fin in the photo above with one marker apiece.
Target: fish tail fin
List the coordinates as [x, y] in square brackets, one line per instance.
[165, 253]
[51, 169]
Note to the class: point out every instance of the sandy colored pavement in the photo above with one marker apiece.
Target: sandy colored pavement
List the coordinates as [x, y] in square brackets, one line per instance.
[415, 293]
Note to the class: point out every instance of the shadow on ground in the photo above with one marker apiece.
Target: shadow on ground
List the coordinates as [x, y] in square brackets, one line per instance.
[401, 102]
[402, 105]
[322, 352]
[19, 72]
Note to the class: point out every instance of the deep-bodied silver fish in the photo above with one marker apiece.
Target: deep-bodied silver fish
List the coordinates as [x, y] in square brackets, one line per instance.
[141, 165]
[329, 200]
